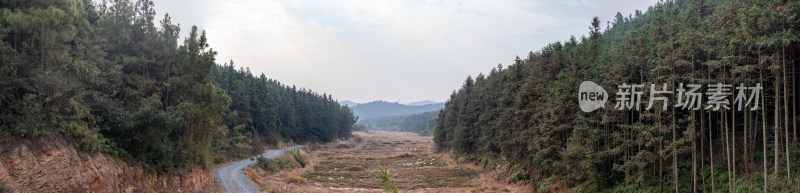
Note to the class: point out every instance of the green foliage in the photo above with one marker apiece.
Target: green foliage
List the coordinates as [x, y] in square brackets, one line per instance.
[273, 112]
[299, 158]
[4, 134]
[527, 112]
[274, 165]
[114, 80]
[486, 162]
[86, 139]
[518, 173]
[298, 180]
[422, 123]
[385, 176]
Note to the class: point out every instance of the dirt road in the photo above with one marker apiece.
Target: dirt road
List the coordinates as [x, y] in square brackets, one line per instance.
[231, 179]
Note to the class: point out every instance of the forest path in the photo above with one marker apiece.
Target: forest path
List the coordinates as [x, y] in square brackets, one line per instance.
[231, 179]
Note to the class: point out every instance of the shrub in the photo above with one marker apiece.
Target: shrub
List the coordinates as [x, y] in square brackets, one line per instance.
[384, 175]
[287, 161]
[297, 180]
[486, 162]
[274, 165]
[299, 158]
[4, 134]
[519, 174]
[93, 142]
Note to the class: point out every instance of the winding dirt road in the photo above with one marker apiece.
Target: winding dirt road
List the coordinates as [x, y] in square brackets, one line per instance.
[231, 179]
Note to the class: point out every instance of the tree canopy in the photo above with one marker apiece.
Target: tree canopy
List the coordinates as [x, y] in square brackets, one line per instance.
[527, 112]
[113, 80]
[422, 123]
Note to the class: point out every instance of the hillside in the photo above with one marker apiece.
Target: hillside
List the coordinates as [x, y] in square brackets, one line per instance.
[422, 123]
[421, 103]
[527, 114]
[381, 109]
[349, 103]
[109, 78]
[51, 164]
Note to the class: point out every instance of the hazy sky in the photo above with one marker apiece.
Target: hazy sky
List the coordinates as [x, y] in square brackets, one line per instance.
[384, 50]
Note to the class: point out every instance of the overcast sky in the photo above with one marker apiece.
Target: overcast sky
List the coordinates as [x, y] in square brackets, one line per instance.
[384, 50]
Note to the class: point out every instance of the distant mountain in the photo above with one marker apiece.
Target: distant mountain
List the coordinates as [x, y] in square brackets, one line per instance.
[349, 103]
[421, 103]
[383, 108]
[422, 123]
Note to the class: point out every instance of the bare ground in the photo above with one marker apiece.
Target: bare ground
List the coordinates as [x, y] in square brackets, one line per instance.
[354, 167]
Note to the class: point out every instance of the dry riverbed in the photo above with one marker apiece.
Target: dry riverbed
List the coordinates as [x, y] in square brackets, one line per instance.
[354, 167]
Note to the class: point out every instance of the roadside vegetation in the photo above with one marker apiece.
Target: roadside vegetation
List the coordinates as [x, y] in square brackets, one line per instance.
[289, 160]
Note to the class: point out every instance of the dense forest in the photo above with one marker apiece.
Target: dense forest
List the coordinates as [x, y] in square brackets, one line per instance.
[111, 79]
[422, 123]
[377, 109]
[265, 111]
[528, 114]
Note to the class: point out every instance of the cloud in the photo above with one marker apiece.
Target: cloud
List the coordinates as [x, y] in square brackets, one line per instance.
[586, 3]
[366, 50]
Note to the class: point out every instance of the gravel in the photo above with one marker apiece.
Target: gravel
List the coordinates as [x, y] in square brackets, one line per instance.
[231, 179]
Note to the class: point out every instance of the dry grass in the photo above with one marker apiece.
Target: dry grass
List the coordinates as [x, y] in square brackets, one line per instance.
[401, 155]
[344, 146]
[409, 157]
[354, 168]
[345, 156]
[297, 180]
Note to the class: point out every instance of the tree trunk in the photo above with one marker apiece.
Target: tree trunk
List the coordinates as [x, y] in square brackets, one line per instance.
[660, 169]
[753, 133]
[711, 151]
[764, 129]
[674, 150]
[777, 136]
[733, 147]
[786, 115]
[694, 153]
[625, 145]
[727, 149]
[702, 149]
[745, 127]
